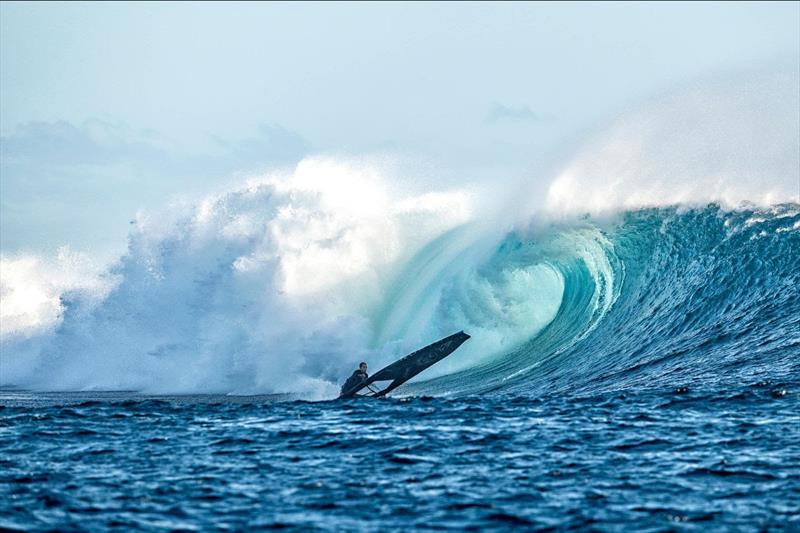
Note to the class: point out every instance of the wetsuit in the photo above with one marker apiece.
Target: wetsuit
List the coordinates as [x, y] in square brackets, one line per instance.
[357, 378]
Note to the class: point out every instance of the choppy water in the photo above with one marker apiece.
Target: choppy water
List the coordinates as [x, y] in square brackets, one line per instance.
[660, 460]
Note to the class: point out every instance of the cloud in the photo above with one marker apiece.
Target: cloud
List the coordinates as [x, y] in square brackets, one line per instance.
[79, 184]
[521, 113]
[272, 143]
[98, 142]
[93, 142]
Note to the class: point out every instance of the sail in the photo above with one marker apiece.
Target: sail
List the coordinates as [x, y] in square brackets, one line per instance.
[412, 364]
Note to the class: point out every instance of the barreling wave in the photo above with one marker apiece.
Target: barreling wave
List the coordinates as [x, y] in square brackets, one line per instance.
[702, 298]
[662, 297]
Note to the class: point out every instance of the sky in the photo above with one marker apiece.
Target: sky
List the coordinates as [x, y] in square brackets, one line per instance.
[110, 108]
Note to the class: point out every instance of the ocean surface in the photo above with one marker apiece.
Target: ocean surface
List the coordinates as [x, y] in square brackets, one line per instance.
[648, 461]
[637, 373]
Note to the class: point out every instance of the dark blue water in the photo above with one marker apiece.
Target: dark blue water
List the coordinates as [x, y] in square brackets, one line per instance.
[655, 461]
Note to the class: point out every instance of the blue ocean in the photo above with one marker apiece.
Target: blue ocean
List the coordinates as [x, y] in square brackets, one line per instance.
[635, 372]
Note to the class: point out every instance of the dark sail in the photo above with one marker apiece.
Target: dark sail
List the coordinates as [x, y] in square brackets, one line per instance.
[412, 364]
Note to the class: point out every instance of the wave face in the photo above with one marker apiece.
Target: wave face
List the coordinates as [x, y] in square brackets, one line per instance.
[669, 298]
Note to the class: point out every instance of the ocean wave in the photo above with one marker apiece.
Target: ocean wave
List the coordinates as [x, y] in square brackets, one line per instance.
[698, 298]
[654, 257]
[662, 296]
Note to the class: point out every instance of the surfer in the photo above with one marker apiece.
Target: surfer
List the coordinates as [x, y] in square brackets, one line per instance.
[358, 377]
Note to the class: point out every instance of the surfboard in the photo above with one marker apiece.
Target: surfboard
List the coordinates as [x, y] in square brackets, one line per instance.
[409, 366]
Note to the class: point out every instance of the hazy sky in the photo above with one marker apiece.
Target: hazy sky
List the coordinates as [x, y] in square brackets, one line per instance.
[108, 107]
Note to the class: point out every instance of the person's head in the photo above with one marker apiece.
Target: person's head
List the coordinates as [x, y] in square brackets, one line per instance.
[362, 366]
